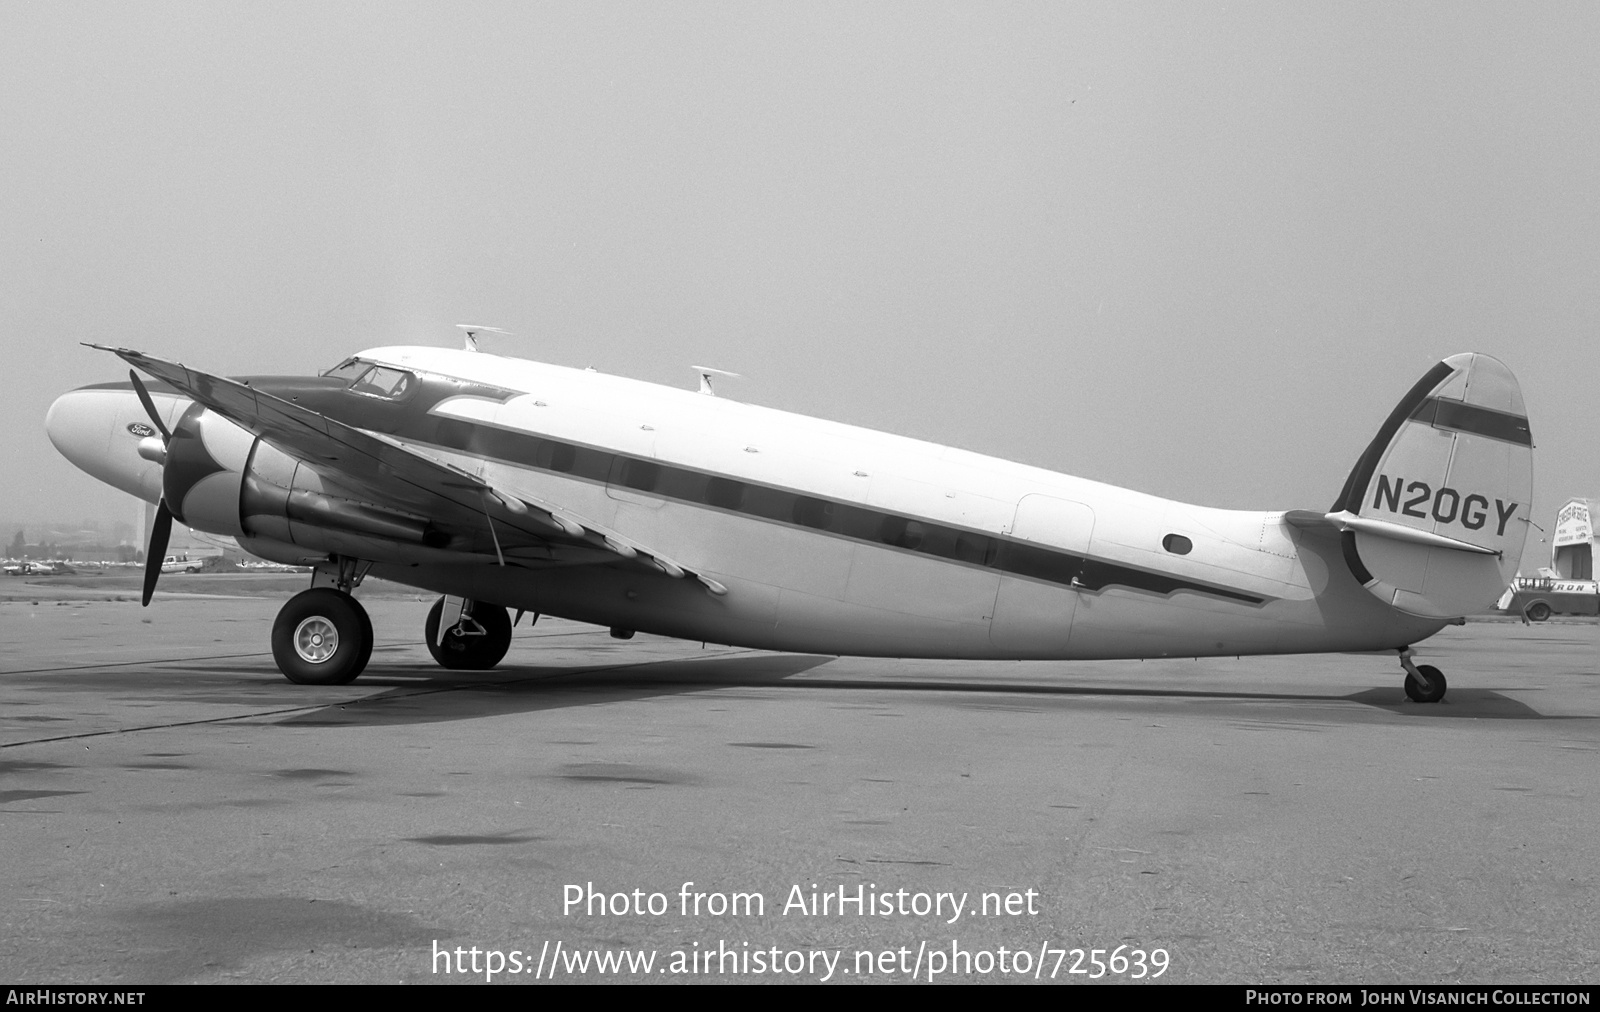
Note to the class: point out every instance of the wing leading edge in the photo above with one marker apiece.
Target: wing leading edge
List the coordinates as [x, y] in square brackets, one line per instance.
[469, 510]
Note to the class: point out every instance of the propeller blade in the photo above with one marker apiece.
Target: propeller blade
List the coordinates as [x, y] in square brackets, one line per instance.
[160, 531]
[149, 409]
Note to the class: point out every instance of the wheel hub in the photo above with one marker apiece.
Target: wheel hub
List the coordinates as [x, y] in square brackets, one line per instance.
[316, 639]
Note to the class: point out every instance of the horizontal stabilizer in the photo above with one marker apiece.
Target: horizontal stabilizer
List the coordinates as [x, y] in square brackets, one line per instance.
[1338, 523]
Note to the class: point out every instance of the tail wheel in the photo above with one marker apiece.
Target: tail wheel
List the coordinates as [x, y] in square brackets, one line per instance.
[322, 637]
[1430, 691]
[478, 641]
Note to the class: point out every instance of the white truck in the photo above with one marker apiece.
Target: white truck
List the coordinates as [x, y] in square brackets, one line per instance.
[1536, 598]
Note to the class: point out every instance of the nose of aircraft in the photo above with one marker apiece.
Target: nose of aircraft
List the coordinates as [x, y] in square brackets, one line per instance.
[99, 429]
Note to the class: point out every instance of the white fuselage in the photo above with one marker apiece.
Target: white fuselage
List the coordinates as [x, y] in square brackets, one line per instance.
[1251, 583]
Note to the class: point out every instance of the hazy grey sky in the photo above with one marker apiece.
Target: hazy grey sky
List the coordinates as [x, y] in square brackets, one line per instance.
[1194, 249]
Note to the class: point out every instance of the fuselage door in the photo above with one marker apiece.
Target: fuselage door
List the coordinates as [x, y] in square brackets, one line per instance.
[1034, 608]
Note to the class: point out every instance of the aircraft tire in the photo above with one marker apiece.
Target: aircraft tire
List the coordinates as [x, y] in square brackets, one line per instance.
[1432, 692]
[322, 636]
[1538, 611]
[470, 653]
[366, 641]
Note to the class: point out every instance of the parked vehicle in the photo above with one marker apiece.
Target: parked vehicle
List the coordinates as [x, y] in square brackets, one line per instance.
[1536, 598]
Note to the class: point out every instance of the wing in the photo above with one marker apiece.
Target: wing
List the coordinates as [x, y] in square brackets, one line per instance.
[475, 515]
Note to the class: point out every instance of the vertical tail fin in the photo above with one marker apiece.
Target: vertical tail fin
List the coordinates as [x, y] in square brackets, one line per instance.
[1435, 511]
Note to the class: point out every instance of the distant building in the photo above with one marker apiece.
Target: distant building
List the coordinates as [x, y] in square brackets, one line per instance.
[1567, 586]
[1572, 548]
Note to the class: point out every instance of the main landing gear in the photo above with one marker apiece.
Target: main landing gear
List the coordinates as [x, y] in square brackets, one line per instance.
[1424, 683]
[322, 636]
[476, 635]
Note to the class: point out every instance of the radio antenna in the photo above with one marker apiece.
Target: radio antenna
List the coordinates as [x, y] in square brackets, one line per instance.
[706, 372]
[474, 329]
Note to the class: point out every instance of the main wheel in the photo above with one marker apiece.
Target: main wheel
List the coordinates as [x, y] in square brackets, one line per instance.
[1538, 611]
[322, 637]
[366, 639]
[1432, 691]
[473, 651]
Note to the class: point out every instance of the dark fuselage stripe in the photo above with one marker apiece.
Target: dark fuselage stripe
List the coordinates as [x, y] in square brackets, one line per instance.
[1443, 413]
[787, 506]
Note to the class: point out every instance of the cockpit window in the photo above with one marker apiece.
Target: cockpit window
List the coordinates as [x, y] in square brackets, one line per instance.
[349, 369]
[384, 382]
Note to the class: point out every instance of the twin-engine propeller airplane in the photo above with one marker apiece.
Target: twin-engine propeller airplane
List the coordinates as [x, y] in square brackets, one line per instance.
[502, 483]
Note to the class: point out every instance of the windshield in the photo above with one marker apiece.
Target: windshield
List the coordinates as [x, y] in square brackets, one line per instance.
[373, 380]
[382, 381]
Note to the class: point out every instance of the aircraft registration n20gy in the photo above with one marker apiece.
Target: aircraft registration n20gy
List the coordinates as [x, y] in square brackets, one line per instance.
[502, 483]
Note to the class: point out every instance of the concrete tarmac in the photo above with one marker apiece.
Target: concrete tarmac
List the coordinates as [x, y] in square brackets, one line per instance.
[173, 810]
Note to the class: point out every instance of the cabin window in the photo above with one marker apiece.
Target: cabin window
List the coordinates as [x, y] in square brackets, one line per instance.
[902, 533]
[640, 474]
[813, 512]
[553, 456]
[1177, 544]
[975, 548]
[725, 493]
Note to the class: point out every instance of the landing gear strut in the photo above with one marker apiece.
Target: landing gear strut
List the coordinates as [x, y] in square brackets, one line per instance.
[475, 642]
[1424, 683]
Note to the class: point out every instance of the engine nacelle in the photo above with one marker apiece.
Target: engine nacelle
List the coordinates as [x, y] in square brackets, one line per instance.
[206, 461]
[221, 479]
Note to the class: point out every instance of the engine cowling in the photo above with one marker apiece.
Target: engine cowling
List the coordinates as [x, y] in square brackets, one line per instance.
[206, 461]
[222, 479]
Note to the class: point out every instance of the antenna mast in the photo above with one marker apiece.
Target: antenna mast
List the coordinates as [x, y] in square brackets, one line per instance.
[706, 372]
[474, 329]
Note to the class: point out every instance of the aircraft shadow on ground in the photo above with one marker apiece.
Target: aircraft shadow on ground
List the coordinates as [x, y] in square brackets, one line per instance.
[447, 696]
[443, 696]
[1476, 703]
